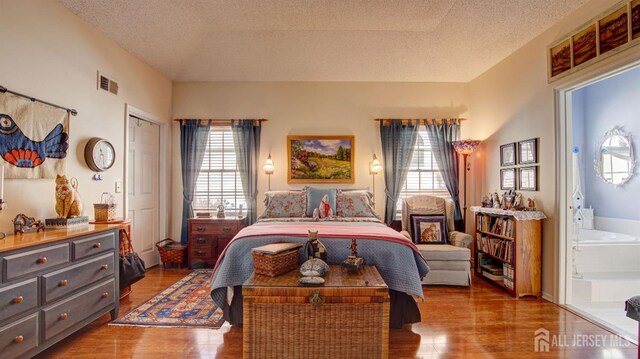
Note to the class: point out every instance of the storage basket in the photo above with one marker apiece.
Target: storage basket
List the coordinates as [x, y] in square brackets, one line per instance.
[275, 264]
[106, 210]
[171, 252]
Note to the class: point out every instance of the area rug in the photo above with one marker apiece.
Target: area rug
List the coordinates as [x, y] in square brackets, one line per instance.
[186, 303]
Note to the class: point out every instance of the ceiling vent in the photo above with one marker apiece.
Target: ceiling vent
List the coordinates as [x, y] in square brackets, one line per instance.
[107, 83]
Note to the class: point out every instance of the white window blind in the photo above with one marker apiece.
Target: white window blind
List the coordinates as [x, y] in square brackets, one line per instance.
[219, 180]
[424, 175]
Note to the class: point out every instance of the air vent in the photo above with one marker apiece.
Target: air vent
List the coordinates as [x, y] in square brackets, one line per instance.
[107, 83]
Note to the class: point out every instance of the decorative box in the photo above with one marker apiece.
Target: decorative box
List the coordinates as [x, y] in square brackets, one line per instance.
[275, 259]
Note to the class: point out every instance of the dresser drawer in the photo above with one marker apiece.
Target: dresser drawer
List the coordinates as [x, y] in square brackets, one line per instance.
[61, 316]
[19, 337]
[202, 241]
[93, 245]
[64, 281]
[214, 228]
[18, 298]
[18, 265]
[201, 252]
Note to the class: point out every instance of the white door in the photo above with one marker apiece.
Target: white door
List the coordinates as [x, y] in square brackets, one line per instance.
[143, 188]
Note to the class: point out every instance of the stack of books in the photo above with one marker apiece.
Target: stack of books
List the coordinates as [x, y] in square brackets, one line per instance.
[493, 272]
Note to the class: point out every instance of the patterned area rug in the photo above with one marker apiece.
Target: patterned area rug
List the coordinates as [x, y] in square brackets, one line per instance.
[186, 303]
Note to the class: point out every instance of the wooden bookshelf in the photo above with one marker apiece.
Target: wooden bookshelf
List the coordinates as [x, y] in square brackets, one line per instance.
[508, 238]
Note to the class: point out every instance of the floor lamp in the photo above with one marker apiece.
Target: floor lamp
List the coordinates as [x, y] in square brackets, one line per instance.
[465, 148]
[374, 168]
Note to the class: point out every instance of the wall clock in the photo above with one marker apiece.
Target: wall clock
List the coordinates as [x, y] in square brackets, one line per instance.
[99, 154]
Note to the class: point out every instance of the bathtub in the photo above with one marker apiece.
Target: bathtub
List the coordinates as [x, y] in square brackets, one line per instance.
[597, 237]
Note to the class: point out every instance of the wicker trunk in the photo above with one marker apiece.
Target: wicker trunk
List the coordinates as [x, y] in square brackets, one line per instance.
[347, 317]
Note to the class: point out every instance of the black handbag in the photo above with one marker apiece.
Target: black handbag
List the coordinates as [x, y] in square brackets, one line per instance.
[132, 267]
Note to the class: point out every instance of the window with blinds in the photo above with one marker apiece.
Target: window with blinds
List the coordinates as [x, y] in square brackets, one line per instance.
[219, 180]
[424, 175]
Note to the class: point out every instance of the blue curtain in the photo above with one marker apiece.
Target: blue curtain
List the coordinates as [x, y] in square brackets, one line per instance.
[193, 142]
[441, 137]
[246, 138]
[398, 141]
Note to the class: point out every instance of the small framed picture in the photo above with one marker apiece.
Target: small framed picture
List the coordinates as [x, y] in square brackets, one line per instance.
[528, 178]
[508, 178]
[428, 229]
[508, 154]
[528, 151]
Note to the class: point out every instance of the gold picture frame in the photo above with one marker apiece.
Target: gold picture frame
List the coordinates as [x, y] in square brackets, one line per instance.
[320, 159]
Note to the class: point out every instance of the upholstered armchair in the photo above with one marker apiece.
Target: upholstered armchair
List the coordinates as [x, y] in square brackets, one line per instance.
[431, 205]
[449, 263]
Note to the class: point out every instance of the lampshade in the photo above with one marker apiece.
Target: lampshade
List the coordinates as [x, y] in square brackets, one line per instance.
[268, 166]
[465, 147]
[375, 166]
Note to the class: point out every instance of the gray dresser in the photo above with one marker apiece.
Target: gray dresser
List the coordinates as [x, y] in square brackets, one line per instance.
[54, 283]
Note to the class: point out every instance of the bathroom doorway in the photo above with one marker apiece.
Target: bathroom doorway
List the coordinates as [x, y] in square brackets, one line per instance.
[600, 258]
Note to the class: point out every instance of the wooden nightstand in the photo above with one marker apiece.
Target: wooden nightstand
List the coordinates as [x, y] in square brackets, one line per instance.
[208, 237]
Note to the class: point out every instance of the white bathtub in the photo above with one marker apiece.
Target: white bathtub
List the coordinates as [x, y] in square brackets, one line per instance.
[598, 237]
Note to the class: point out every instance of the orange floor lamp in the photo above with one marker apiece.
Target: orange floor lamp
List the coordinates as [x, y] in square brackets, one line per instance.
[465, 148]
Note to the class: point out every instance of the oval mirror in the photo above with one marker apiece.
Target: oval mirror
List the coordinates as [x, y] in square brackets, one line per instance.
[614, 161]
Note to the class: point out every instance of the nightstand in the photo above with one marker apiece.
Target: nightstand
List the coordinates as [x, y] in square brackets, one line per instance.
[208, 237]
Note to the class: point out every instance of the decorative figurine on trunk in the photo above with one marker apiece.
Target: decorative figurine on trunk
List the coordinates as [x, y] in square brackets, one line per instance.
[314, 248]
[353, 262]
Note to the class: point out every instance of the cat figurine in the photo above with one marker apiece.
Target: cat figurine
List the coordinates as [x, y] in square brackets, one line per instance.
[68, 204]
[314, 248]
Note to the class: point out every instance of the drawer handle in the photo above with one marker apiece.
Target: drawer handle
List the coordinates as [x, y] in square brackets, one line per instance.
[41, 260]
[105, 295]
[316, 299]
[63, 316]
[200, 229]
[97, 245]
[19, 339]
[63, 283]
[226, 229]
[201, 240]
[104, 267]
[19, 299]
[201, 253]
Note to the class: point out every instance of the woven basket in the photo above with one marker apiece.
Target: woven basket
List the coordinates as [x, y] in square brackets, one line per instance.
[171, 252]
[275, 264]
[104, 212]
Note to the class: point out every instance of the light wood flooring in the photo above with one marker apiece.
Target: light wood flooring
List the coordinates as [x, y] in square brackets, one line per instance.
[480, 322]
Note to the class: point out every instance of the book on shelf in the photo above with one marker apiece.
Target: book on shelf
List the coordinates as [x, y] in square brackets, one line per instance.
[497, 247]
[495, 278]
[507, 275]
[493, 268]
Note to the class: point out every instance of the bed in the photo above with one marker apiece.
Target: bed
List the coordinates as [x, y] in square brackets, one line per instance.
[397, 259]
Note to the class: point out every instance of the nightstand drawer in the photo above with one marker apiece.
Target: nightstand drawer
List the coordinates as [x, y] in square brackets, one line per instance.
[18, 265]
[18, 298]
[65, 314]
[19, 337]
[64, 281]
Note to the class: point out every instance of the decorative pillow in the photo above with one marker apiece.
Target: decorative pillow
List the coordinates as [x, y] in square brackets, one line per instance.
[284, 204]
[357, 203]
[428, 229]
[314, 197]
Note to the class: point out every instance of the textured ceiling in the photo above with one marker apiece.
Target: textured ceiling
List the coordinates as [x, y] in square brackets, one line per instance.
[322, 40]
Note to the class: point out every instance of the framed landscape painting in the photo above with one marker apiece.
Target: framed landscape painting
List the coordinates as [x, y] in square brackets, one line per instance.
[613, 30]
[584, 45]
[320, 159]
[560, 58]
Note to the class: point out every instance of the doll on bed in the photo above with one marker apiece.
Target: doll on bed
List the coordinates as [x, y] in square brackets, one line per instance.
[324, 210]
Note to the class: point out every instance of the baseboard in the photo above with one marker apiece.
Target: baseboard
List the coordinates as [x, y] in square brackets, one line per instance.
[548, 297]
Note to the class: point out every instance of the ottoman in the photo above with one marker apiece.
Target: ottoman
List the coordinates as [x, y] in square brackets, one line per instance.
[449, 265]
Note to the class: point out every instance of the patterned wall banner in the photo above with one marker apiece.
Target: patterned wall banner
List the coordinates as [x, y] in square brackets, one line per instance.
[33, 138]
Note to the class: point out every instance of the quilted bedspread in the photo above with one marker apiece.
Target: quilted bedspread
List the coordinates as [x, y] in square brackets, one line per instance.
[398, 261]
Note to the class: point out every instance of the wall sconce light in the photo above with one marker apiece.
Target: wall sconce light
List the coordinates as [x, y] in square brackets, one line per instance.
[465, 148]
[268, 169]
[374, 168]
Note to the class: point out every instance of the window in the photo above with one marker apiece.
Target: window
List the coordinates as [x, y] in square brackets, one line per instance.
[219, 179]
[424, 175]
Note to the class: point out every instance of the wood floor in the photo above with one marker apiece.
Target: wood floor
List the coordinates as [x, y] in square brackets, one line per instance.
[481, 322]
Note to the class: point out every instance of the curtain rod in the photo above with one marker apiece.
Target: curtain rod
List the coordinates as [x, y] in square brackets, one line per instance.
[219, 120]
[33, 99]
[421, 119]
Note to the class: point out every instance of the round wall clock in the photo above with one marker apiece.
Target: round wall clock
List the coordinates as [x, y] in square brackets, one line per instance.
[99, 154]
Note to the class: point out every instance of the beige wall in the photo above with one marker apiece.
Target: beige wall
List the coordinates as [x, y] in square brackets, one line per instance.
[512, 102]
[49, 53]
[315, 108]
